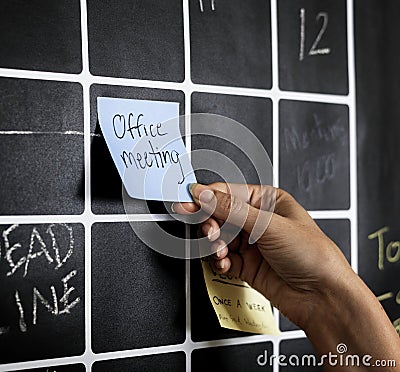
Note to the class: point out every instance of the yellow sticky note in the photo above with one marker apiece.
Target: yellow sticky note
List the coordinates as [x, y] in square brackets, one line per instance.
[237, 305]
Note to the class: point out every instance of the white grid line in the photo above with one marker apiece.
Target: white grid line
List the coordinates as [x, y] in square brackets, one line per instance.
[275, 117]
[85, 80]
[352, 135]
[187, 347]
[275, 92]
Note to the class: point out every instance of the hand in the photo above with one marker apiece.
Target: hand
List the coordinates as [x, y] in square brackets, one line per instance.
[291, 263]
[297, 267]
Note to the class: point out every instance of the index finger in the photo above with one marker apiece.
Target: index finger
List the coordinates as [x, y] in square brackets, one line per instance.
[252, 194]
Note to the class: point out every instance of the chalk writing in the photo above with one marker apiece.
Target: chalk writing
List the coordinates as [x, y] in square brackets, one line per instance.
[4, 330]
[396, 325]
[316, 169]
[321, 169]
[30, 133]
[318, 132]
[389, 295]
[314, 50]
[36, 241]
[52, 305]
[386, 253]
[56, 304]
[212, 5]
[22, 324]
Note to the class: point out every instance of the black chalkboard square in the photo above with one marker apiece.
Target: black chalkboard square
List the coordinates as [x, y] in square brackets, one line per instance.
[253, 113]
[252, 357]
[41, 35]
[41, 140]
[140, 39]
[313, 46]
[338, 230]
[42, 292]
[299, 356]
[62, 368]
[106, 184]
[231, 43]
[168, 362]
[138, 295]
[314, 163]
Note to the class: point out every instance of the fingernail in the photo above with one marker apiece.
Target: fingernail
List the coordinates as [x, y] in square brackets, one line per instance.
[210, 232]
[190, 188]
[222, 264]
[206, 196]
[220, 248]
[172, 207]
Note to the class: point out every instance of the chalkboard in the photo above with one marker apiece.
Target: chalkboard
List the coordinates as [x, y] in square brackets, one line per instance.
[284, 69]
[313, 46]
[34, 41]
[232, 358]
[230, 43]
[42, 294]
[378, 152]
[314, 145]
[42, 147]
[253, 112]
[138, 295]
[168, 362]
[299, 355]
[141, 39]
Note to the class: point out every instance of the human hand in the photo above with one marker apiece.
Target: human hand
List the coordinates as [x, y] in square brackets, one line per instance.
[297, 267]
[293, 263]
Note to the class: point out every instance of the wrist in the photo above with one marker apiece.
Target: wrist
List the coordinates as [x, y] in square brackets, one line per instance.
[350, 314]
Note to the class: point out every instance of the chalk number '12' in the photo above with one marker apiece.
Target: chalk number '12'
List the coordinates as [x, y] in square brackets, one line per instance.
[314, 48]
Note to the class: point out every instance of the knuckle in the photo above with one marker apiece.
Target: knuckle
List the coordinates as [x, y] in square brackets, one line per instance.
[225, 202]
[230, 204]
[221, 186]
[236, 205]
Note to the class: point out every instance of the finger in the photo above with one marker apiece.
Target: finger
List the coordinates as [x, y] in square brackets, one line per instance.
[251, 194]
[210, 228]
[235, 263]
[184, 208]
[222, 266]
[228, 208]
[219, 250]
[264, 197]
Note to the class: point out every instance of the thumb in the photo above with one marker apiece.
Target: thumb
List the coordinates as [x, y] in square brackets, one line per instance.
[229, 208]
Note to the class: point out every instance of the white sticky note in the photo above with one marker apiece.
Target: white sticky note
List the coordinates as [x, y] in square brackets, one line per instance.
[147, 148]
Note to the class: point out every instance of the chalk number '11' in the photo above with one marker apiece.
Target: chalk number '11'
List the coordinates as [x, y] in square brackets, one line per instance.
[314, 48]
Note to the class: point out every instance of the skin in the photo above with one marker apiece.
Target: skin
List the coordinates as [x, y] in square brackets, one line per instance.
[297, 267]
